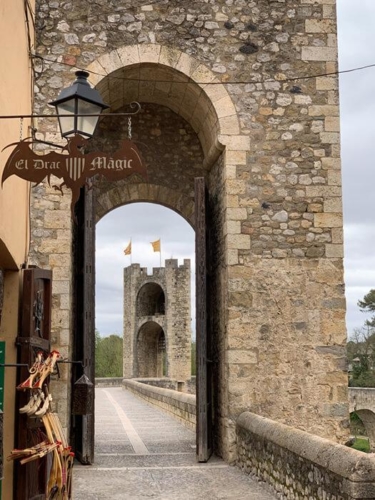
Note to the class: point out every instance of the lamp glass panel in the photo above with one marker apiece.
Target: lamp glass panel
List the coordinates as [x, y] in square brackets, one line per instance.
[66, 123]
[87, 124]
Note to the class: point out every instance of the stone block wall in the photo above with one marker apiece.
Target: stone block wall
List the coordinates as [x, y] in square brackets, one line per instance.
[179, 405]
[108, 381]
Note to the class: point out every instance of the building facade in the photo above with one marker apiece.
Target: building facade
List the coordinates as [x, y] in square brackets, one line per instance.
[16, 95]
[242, 93]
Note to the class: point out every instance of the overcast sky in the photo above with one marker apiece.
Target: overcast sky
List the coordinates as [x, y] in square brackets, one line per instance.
[143, 223]
[147, 222]
[356, 22]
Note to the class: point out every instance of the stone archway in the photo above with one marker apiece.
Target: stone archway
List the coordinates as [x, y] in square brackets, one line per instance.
[150, 350]
[368, 419]
[150, 300]
[168, 76]
[183, 103]
[186, 129]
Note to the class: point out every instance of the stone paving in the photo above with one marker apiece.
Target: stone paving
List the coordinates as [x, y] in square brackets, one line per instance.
[141, 452]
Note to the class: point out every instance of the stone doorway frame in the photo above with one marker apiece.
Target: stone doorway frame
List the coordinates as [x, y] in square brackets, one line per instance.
[214, 119]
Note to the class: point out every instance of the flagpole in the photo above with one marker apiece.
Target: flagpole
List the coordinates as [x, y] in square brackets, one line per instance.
[131, 253]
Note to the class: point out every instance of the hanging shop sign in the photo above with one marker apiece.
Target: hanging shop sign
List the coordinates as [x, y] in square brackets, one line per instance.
[73, 166]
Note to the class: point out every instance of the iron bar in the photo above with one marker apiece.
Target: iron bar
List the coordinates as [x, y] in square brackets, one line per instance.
[101, 115]
[20, 365]
[13, 365]
[71, 362]
[5, 117]
[39, 141]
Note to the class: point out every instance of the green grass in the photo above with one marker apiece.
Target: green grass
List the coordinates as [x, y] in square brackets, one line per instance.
[361, 445]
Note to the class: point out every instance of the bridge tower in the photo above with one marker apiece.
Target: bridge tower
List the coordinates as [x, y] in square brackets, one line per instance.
[157, 317]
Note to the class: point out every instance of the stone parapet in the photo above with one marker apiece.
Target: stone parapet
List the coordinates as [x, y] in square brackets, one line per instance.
[108, 381]
[361, 398]
[300, 465]
[182, 406]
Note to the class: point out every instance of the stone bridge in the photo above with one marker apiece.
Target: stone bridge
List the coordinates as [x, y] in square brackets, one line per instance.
[362, 401]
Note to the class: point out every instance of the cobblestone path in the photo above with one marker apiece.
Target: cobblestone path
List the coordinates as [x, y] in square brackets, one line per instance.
[141, 453]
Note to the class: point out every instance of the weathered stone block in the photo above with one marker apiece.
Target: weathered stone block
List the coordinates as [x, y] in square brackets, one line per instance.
[238, 241]
[335, 251]
[319, 54]
[319, 26]
[333, 205]
[328, 220]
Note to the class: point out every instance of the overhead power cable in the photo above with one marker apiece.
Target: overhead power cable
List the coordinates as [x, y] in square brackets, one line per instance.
[234, 82]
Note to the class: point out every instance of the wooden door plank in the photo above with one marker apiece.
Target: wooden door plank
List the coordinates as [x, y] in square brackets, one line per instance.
[34, 335]
[88, 422]
[84, 317]
[204, 409]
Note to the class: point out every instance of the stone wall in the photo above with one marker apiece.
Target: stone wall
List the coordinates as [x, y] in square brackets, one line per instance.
[166, 142]
[361, 398]
[108, 381]
[179, 405]
[299, 465]
[164, 383]
[246, 77]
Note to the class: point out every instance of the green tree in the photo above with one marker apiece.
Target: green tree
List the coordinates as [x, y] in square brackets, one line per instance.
[361, 356]
[367, 305]
[361, 346]
[108, 356]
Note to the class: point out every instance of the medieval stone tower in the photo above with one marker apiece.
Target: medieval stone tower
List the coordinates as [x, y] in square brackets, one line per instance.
[243, 94]
[157, 332]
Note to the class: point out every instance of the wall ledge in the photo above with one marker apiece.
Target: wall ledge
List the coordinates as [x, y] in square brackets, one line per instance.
[341, 460]
[180, 405]
[300, 465]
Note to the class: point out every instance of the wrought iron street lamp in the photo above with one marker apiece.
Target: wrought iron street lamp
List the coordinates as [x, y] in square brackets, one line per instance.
[78, 107]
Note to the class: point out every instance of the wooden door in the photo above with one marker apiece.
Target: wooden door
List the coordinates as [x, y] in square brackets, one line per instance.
[34, 336]
[204, 368]
[84, 318]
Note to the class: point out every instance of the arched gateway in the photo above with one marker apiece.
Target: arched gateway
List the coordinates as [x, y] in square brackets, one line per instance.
[268, 154]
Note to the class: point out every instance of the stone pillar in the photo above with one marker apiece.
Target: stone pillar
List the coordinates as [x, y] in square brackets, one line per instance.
[178, 319]
[131, 277]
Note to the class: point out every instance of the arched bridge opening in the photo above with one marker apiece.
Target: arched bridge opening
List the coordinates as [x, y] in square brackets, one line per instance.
[150, 300]
[151, 351]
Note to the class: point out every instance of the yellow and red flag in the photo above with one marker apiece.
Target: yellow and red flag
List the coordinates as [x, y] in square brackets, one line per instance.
[128, 249]
[156, 245]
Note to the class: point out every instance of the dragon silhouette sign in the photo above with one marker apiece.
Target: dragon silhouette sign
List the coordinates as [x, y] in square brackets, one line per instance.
[73, 166]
